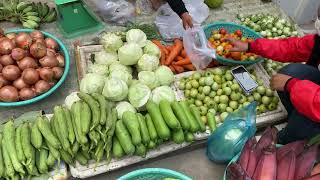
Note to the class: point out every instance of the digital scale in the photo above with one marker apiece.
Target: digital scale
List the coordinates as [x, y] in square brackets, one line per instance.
[75, 19]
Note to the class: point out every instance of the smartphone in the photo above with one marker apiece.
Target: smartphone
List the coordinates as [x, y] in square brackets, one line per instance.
[246, 82]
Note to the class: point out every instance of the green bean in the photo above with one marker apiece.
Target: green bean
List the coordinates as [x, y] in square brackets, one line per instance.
[7, 161]
[71, 135]
[103, 107]
[81, 159]
[41, 160]
[18, 143]
[76, 109]
[44, 127]
[36, 137]
[94, 106]
[86, 116]
[2, 167]
[62, 127]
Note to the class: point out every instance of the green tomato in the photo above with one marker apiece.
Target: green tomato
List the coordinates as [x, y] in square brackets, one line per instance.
[202, 81]
[196, 75]
[209, 81]
[246, 103]
[208, 73]
[193, 93]
[181, 85]
[272, 107]
[215, 86]
[219, 92]
[229, 109]
[203, 110]
[265, 100]
[235, 87]
[235, 81]
[223, 116]
[222, 108]
[200, 88]
[227, 91]
[212, 94]
[216, 99]
[257, 96]
[198, 103]
[194, 83]
[201, 96]
[206, 90]
[188, 85]
[217, 71]
[204, 119]
[275, 100]
[269, 92]
[206, 99]
[217, 79]
[250, 98]
[253, 77]
[228, 76]
[262, 108]
[233, 104]
[211, 104]
[261, 90]
[213, 111]
[242, 99]
[224, 99]
[235, 96]
[191, 101]
[187, 93]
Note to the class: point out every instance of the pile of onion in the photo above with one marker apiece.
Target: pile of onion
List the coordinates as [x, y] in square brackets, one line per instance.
[30, 64]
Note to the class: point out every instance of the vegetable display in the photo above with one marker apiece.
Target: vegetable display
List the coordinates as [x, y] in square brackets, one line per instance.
[273, 66]
[215, 90]
[218, 41]
[30, 64]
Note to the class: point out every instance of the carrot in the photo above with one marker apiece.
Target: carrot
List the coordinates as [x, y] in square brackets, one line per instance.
[183, 53]
[172, 69]
[183, 62]
[162, 57]
[178, 58]
[189, 67]
[169, 49]
[179, 69]
[160, 46]
[175, 51]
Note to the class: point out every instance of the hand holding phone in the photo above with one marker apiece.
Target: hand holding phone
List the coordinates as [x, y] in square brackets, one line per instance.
[246, 82]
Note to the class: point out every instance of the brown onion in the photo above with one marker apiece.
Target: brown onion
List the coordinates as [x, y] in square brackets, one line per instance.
[60, 60]
[39, 41]
[26, 93]
[51, 52]
[6, 60]
[51, 43]
[6, 46]
[52, 84]
[27, 62]
[58, 72]
[38, 50]
[19, 83]
[1, 32]
[23, 40]
[36, 35]
[48, 61]
[11, 35]
[1, 67]
[30, 76]
[46, 73]
[11, 72]
[17, 54]
[3, 81]
[41, 86]
[9, 94]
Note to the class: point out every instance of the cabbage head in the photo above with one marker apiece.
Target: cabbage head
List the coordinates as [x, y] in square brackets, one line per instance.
[148, 63]
[115, 89]
[123, 75]
[129, 54]
[116, 66]
[103, 57]
[163, 93]
[164, 75]
[148, 78]
[151, 49]
[92, 83]
[124, 106]
[101, 69]
[139, 95]
[111, 42]
[136, 36]
[70, 99]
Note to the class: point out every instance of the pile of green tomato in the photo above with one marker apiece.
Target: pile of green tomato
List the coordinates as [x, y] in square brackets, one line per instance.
[273, 66]
[216, 91]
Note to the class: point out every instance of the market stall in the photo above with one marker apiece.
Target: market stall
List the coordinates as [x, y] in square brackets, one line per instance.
[138, 96]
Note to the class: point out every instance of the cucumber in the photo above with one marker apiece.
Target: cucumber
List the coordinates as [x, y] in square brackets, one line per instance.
[117, 150]
[178, 136]
[189, 137]
[168, 115]
[124, 138]
[211, 122]
[194, 125]
[178, 111]
[197, 116]
[130, 120]
[151, 129]
[143, 129]
[141, 150]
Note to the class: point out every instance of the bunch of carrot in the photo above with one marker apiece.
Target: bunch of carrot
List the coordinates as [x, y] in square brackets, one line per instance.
[175, 57]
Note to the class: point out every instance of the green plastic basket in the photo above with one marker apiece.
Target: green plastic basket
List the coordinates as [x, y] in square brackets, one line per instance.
[153, 174]
[64, 50]
[231, 27]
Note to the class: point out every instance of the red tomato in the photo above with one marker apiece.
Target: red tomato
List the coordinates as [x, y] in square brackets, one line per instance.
[238, 33]
[223, 31]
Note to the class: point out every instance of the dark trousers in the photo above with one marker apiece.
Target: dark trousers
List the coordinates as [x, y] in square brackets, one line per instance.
[299, 126]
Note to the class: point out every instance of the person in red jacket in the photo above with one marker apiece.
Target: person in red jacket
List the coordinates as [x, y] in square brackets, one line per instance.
[298, 85]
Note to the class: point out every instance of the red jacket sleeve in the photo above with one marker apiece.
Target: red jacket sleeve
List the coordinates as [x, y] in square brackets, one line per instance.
[305, 96]
[292, 49]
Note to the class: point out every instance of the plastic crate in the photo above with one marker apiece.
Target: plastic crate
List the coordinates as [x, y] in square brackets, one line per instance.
[231, 27]
[154, 174]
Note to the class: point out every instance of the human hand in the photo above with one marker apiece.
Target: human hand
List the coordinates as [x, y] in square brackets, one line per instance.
[238, 46]
[278, 81]
[186, 20]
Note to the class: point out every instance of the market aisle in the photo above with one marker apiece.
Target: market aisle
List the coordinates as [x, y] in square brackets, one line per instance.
[194, 164]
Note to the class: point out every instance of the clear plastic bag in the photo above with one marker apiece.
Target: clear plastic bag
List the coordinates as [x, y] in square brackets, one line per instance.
[143, 7]
[118, 12]
[197, 47]
[228, 140]
[169, 23]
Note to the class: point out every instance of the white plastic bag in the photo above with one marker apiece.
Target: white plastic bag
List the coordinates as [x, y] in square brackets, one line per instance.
[143, 7]
[197, 47]
[118, 12]
[169, 23]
